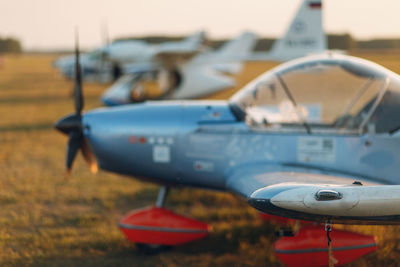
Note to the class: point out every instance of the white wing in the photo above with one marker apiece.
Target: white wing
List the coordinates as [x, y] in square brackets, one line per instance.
[317, 197]
[200, 80]
[119, 93]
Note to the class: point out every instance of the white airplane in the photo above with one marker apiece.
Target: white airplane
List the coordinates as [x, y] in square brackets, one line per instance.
[304, 36]
[182, 75]
[184, 69]
[108, 62]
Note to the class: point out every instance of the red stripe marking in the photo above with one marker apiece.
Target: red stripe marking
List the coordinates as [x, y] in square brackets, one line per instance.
[315, 5]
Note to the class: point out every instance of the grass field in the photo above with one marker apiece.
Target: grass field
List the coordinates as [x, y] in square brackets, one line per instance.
[47, 221]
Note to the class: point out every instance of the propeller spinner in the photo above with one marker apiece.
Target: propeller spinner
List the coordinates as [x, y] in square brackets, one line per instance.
[72, 124]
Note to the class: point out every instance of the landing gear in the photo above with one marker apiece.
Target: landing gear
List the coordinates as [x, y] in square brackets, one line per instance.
[155, 248]
[309, 247]
[310, 244]
[116, 71]
[169, 80]
[155, 228]
[331, 259]
[162, 195]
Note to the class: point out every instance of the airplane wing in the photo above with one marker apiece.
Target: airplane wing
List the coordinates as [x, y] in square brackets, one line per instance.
[124, 89]
[119, 92]
[185, 48]
[228, 59]
[299, 194]
[170, 58]
[200, 80]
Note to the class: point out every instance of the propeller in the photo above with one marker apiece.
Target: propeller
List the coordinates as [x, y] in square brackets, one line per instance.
[71, 124]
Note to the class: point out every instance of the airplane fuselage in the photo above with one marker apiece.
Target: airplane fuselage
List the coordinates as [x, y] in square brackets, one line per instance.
[199, 143]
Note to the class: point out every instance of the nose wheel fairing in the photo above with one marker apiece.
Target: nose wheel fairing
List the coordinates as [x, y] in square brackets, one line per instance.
[308, 245]
[156, 226]
[159, 226]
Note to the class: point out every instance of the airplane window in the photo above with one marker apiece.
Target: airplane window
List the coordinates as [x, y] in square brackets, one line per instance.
[384, 118]
[326, 91]
[329, 86]
[360, 108]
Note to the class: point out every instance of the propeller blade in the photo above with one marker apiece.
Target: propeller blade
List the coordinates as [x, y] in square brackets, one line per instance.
[78, 78]
[72, 124]
[89, 157]
[74, 144]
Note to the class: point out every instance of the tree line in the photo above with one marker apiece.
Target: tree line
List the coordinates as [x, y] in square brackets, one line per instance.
[340, 42]
[334, 41]
[10, 45]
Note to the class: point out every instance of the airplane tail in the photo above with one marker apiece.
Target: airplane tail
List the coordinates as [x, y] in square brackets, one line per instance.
[195, 40]
[305, 34]
[238, 48]
[228, 58]
[189, 44]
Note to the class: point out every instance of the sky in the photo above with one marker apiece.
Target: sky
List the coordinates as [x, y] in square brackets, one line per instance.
[49, 24]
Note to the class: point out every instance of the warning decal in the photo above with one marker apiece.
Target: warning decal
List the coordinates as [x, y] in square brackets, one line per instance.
[316, 149]
[161, 154]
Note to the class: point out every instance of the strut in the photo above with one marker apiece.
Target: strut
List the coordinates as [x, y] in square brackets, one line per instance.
[162, 195]
[331, 259]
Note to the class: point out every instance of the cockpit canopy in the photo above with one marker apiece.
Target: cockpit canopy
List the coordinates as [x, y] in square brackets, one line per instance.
[329, 90]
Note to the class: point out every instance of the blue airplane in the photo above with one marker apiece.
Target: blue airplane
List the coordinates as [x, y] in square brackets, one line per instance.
[341, 166]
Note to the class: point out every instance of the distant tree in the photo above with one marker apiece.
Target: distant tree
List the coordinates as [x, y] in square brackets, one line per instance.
[341, 41]
[152, 39]
[264, 44]
[335, 41]
[10, 45]
[379, 44]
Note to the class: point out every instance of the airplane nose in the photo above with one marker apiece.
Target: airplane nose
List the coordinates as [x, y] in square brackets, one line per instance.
[69, 123]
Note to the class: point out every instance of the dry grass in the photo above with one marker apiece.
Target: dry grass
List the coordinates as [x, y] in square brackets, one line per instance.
[47, 221]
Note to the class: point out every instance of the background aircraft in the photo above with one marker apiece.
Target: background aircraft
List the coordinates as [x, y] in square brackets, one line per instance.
[175, 77]
[108, 62]
[195, 78]
[183, 69]
[304, 36]
[332, 171]
[178, 70]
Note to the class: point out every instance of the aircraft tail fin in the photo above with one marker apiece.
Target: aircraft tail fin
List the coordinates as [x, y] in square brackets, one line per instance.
[238, 48]
[305, 34]
[195, 40]
[190, 44]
